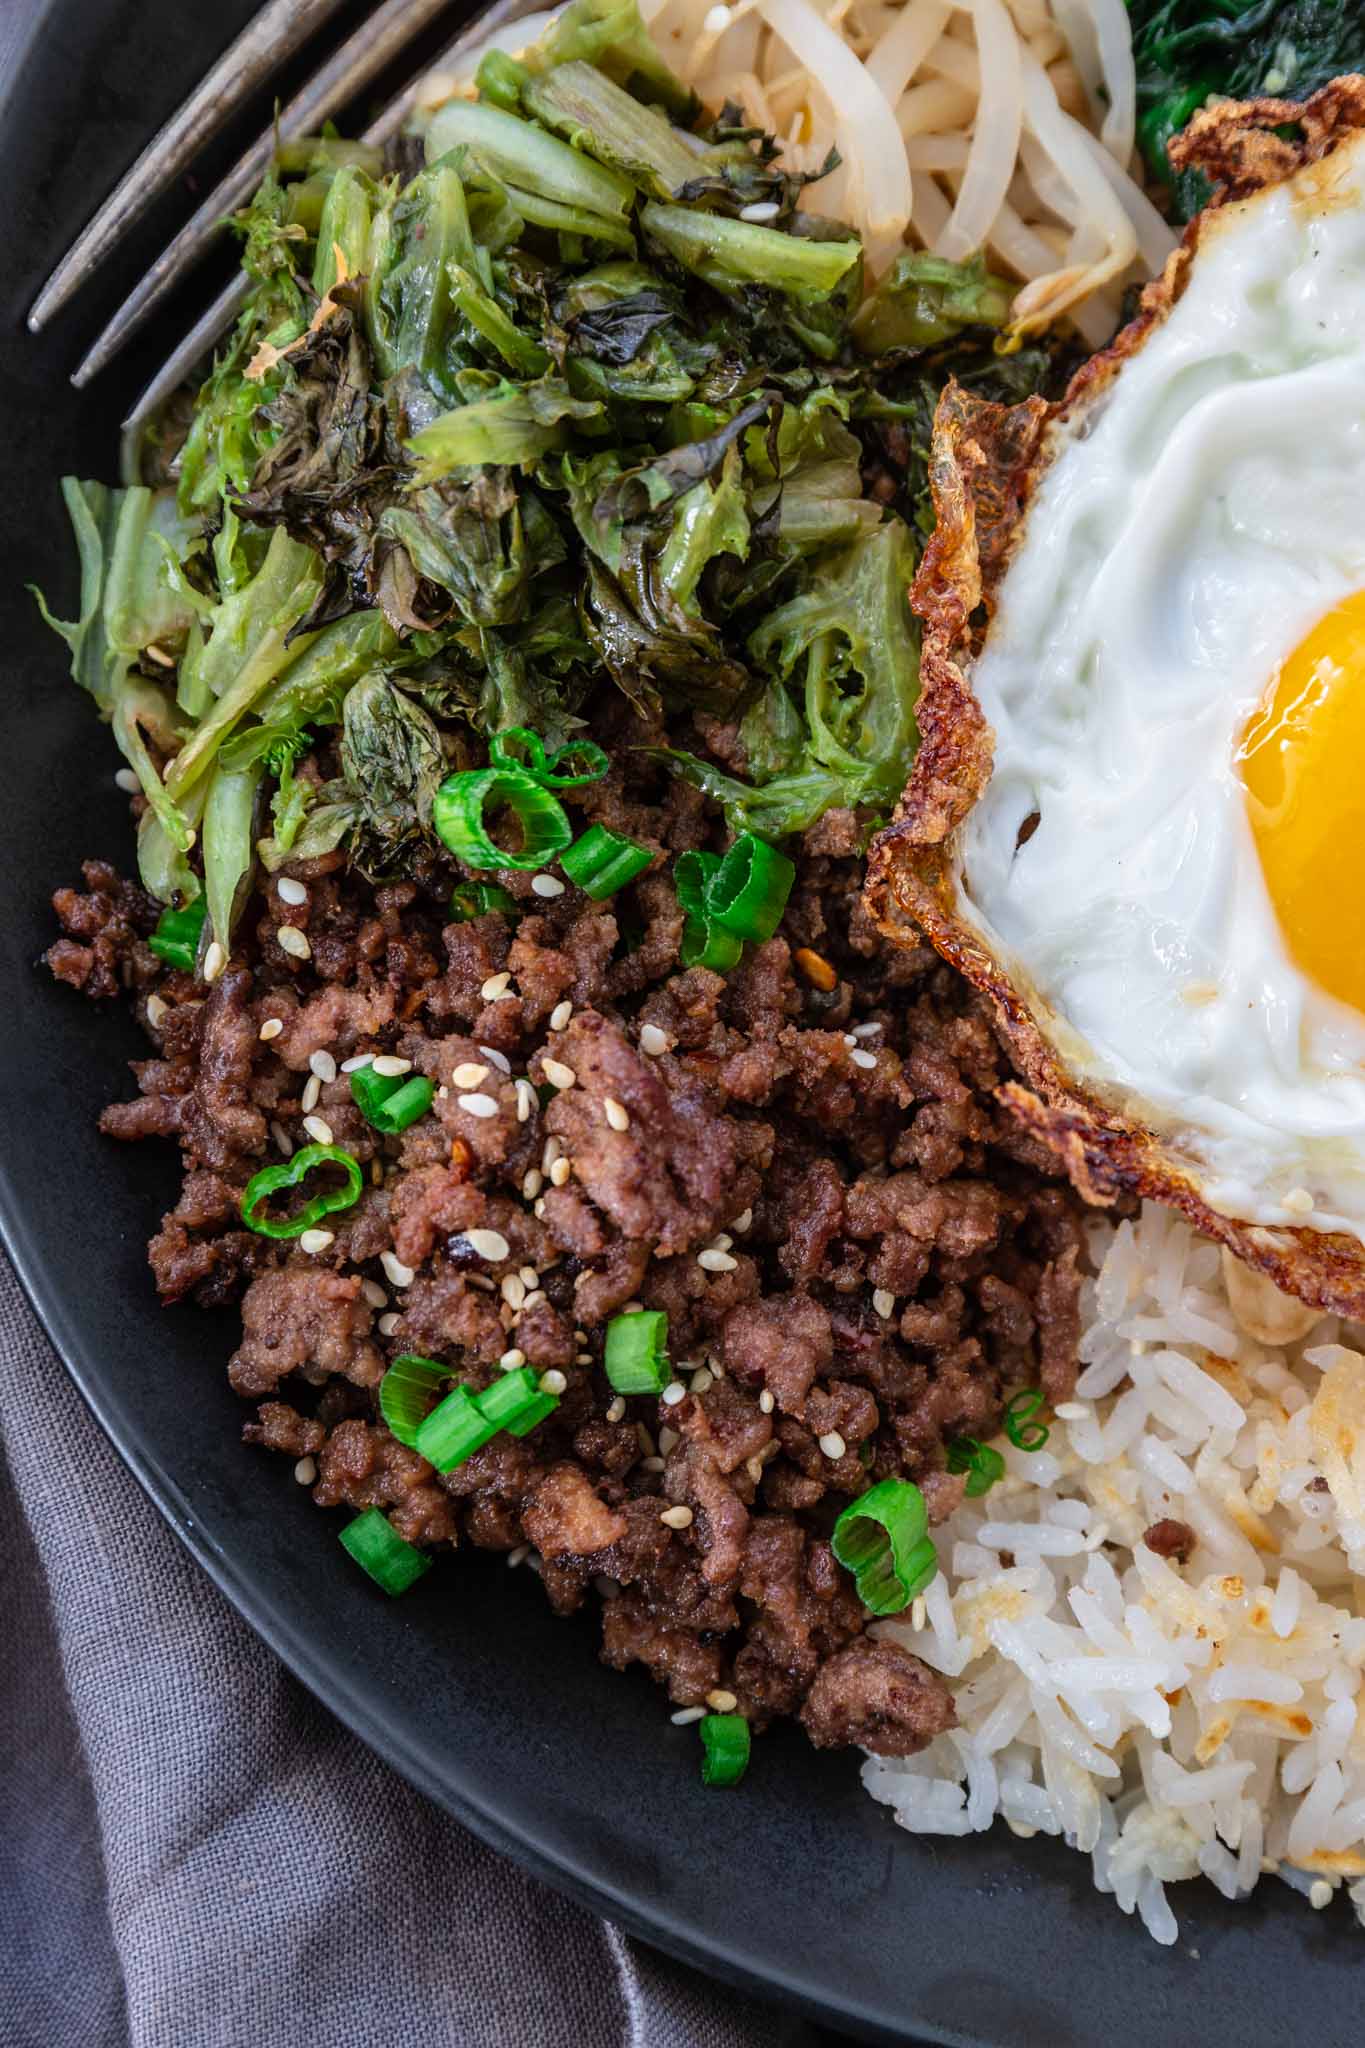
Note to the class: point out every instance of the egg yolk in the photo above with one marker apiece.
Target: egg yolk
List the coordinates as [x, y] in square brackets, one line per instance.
[1302, 761]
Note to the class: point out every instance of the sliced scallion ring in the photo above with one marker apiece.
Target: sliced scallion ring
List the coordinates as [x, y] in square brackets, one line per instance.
[982, 1465]
[704, 942]
[748, 892]
[635, 1357]
[510, 1400]
[576, 763]
[406, 1393]
[601, 862]
[469, 900]
[454, 1431]
[1023, 1432]
[725, 1748]
[882, 1539]
[176, 938]
[391, 1561]
[464, 801]
[391, 1101]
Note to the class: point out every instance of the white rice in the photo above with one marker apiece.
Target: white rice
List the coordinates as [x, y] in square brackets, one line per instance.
[1170, 1721]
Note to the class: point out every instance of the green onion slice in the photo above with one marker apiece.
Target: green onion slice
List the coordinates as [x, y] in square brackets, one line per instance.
[725, 1748]
[635, 1357]
[406, 1391]
[290, 1174]
[508, 1400]
[391, 1561]
[704, 943]
[454, 1431]
[1023, 1432]
[748, 892]
[463, 800]
[176, 938]
[576, 763]
[982, 1465]
[882, 1538]
[391, 1101]
[532, 1415]
[469, 900]
[601, 862]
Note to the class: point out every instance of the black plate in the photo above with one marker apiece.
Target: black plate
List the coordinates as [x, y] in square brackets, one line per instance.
[795, 1884]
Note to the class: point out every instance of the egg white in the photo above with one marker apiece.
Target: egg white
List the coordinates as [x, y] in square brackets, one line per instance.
[1194, 524]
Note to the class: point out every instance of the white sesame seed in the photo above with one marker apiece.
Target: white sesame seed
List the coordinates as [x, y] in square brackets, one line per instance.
[443, 1093]
[832, 1444]
[553, 1150]
[919, 1612]
[617, 1410]
[669, 1439]
[374, 1294]
[1319, 1894]
[513, 1290]
[290, 891]
[318, 1129]
[685, 1716]
[510, 1360]
[390, 1066]
[557, 1074]
[356, 1064]
[282, 1139]
[468, 1074]
[761, 211]
[754, 1468]
[496, 1059]
[157, 1011]
[1071, 1411]
[534, 1299]
[312, 1088]
[766, 1402]
[547, 885]
[713, 1261]
[553, 1382]
[560, 1015]
[884, 1302]
[271, 1028]
[653, 1463]
[561, 1172]
[633, 1308]
[399, 1274]
[314, 1241]
[519, 1555]
[722, 1241]
[743, 1221]
[1298, 1202]
[389, 1323]
[677, 1518]
[306, 1471]
[539, 1208]
[495, 986]
[617, 1115]
[529, 1276]
[582, 1358]
[721, 1700]
[477, 1105]
[866, 1030]
[701, 1382]
[863, 1059]
[489, 1244]
[526, 1100]
[652, 1040]
[849, 1039]
[532, 1184]
[291, 940]
[674, 1392]
[323, 1065]
[127, 781]
[215, 960]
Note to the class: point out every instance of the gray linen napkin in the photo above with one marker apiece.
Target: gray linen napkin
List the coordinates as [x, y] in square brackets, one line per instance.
[195, 1854]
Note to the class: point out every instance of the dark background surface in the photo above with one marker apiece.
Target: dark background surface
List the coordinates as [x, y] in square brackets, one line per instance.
[795, 1881]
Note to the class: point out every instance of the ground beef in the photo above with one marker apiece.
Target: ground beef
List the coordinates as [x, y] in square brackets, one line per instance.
[802, 1163]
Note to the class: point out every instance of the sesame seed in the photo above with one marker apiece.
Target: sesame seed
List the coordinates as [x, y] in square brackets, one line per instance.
[496, 1059]
[390, 1066]
[374, 1294]
[215, 960]
[495, 986]
[271, 1028]
[399, 1274]
[849, 1039]
[388, 1324]
[477, 1105]
[314, 1241]
[866, 1030]
[526, 1100]
[1071, 1411]
[557, 1074]
[652, 1463]
[530, 1277]
[291, 940]
[617, 1115]
[884, 1302]
[677, 1518]
[701, 1382]
[282, 1139]
[685, 1716]
[919, 1613]
[766, 1401]
[617, 1410]
[377, 1173]
[468, 1074]
[722, 1700]
[560, 1015]
[157, 1010]
[633, 1308]
[1298, 1202]
[489, 1244]
[534, 1299]
[513, 1290]
[312, 1088]
[323, 1065]
[669, 1439]
[561, 1172]
[743, 1221]
[306, 1471]
[713, 1261]
[582, 1358]
[722, 1241]
[355, 1065]
[652, 1040]
[754, 1468]
[674, 1392]
[519, 1555]
[532, 1184]
[863, 1059]
[547, 885]
[553, 1150]
[761, 211]
[832, 1444]
[816, 968]
[318, 1129]
[553, 1382]
[539, 1208]
[510, 1360]
[443, 1093]
[127, 781]
[1319, 1894]
[290, 891]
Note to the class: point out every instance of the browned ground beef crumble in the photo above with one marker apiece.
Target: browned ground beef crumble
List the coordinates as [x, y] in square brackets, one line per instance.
[894, 1257]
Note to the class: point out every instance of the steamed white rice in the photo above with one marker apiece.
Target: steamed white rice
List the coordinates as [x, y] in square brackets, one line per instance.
[1170, 1721]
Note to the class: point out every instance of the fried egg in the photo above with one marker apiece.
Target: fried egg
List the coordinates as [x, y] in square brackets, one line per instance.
[1164, 868]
